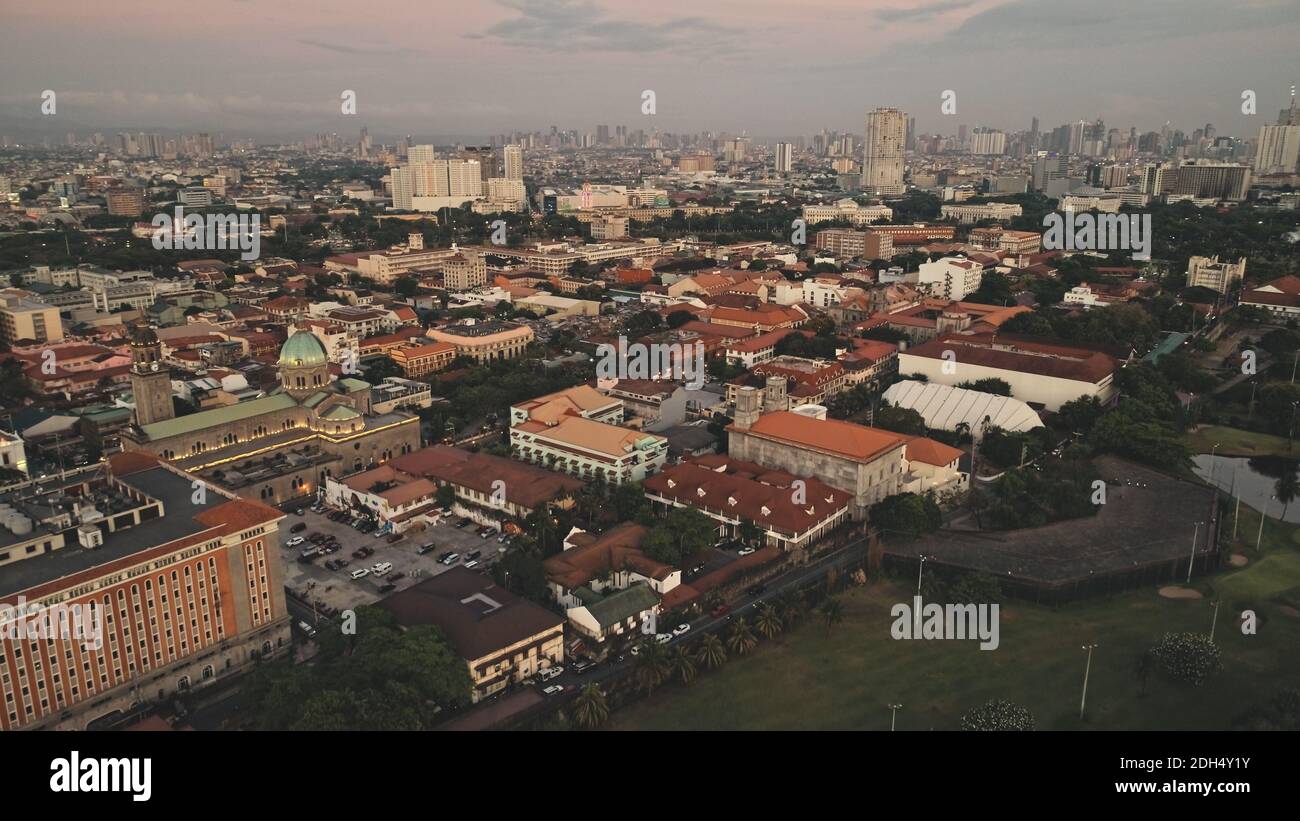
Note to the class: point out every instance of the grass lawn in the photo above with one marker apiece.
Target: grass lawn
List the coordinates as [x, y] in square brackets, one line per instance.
[843, 678]
[1236, 442]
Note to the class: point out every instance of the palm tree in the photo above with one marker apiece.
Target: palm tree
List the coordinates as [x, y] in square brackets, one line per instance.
[1285, 490]
[832, 611]
[589, 708]
[768, 622]
[652, 667]
[740, 639]
[711, 653]
[683, 663]
[789, 609]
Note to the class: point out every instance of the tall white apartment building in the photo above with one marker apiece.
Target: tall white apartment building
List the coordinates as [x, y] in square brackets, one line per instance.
[417, 154]
[1279, 149]
[514, 162]
[882, 151]
[988, 141]
[951, 278]
[784, 158]
[403, 187]
[1208, 272]
[429, 184]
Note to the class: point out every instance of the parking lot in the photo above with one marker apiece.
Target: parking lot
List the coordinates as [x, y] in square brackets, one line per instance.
[337, 589]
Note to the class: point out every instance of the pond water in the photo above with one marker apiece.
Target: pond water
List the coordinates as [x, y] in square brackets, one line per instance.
[1252, 478]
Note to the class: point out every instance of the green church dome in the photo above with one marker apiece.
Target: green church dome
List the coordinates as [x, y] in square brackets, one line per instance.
[303, 350]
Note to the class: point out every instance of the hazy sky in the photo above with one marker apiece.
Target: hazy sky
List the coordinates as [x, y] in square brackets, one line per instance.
[767, 67]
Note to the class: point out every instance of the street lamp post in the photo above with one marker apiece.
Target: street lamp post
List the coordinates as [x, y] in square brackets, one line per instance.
[1083, 702]
[1214, 621]
[919, 569]
[1192, 563]
[893, 714]
[1263, 514]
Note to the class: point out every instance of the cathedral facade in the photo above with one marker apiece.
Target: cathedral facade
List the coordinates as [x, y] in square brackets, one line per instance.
[274, 448]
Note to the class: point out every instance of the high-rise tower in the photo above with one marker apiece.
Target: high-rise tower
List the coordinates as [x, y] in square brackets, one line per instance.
[882, 152]
[151, 382]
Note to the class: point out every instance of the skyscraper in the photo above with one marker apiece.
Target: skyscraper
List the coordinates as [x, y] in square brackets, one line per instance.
[784, 159]
[514, 162]
[882, 151]
[1279, 149]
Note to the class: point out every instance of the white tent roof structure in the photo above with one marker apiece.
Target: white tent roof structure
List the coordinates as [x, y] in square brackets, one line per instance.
[944, 407]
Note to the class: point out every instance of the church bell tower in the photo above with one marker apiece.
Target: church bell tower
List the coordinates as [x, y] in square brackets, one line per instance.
[151, 382]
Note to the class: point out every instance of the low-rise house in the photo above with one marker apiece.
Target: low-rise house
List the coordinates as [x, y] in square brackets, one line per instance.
[606, 584]
[502, 637]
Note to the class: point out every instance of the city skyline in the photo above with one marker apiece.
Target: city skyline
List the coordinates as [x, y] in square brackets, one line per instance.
[706, 67]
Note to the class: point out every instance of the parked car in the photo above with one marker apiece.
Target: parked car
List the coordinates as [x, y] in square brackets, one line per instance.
[298, 527]
[450, 559]
[551, 672]
[295, 541]
[488, 533]
[744, 551]
[720, 610]
[360, 572]
[504, 538]
[300, 512]
[681, 629]
[396, 576]
[307, 629]
[755, 589]
[463, 523]
[663, 638]
[554, 689]
[394, 537]
[472, 555]
[388, 587]
[381, 568]
[583, 666]
[360, 554]
[426, 549]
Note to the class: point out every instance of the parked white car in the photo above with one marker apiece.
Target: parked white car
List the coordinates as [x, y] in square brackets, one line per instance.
[681, 629]
[382, 568]
[295, 541]
[361, 573]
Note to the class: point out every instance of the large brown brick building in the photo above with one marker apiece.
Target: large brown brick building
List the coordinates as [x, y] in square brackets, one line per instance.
[175, 586]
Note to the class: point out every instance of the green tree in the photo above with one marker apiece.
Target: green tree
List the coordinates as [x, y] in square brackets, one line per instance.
[653, 666]
[900, 420]
[992, 385]
[768, 622]
[906, 515]
[1285, 489]
[683, 664]
[446, 495]
[1187, 657]
[998, 715]
[740, 638]
[832, 612]
[589, 708]
[712, 654]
